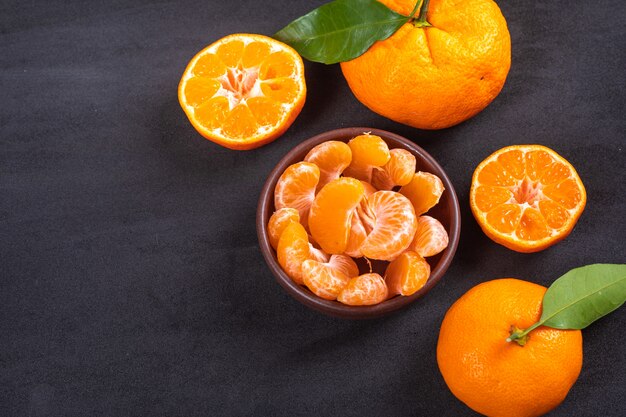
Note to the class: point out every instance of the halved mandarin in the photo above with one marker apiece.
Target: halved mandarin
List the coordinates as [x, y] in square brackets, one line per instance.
[430, 237]
[398, 171]
[293, 250]
[326, 280]
[368, 152]
[390, 223]
[366, 289]
[296, 188]
[331, 212]
[279, 221]
[406, 274]
[424, 190]
[332, 157]
[526, 197]
[243, 91]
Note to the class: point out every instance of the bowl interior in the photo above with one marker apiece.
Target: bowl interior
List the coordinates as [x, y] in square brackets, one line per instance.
[447, 212]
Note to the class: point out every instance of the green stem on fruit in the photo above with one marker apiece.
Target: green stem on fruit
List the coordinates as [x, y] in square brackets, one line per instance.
[415, 9]
[521, 336]
[421, 21]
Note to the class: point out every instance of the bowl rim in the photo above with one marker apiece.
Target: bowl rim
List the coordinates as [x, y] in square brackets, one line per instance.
[334, 308]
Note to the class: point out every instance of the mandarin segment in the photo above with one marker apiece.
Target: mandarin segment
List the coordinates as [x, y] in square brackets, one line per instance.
[513, 163]
[368, 151]
[487, 197]
[323, 280]
[424, 191]
[266, 112]
[430, 238]
[532, 226]
[537, 163]
[209, 66]
[230, 53]
[254, 53]
[495, 174]
[200, 89]
[331, 211]
[394, 225]
[366, 289]
[556, 216]
[407, 274]
[398, 171]
[293, 250]
[505, 217]
[567, 193]
[240, 122]
[331, 157]
[296, 188]
[279, 221]
[212, 113]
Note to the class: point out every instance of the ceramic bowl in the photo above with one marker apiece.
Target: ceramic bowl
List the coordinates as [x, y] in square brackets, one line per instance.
[447, 212]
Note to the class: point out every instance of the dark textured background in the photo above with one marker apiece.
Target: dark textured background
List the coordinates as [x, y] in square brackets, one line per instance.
[131, 282]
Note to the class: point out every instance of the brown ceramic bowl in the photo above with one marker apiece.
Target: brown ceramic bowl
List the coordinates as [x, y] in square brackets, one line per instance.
[447, 212]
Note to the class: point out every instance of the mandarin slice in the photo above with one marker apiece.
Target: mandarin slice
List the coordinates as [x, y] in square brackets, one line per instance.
[393, 223]
[526, 197]
[331, 212]
[366, 289]
[260, 84]
[424, 190]
[296, 188]
[326, 280]
[368, 152]
[293, 250]
[430, 238]
[398, 170]
[332, 157]
[406, 274]
[279, 221]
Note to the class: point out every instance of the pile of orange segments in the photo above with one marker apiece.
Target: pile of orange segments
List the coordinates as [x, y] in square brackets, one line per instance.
[354, 200]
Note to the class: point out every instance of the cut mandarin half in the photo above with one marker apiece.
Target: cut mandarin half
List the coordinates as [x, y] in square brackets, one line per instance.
[293, 249]
[398, 171]
[326, 280]
[296, 188]
[243, 91]
[406, 274]
[279, 221]
[424, 191]
[331, 212]
[332, 157]
[430, 238]
[366, 289]
[390, 223]
[526, 197]
[368, 152]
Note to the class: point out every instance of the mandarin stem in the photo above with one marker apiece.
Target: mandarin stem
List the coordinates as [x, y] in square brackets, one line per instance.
[415, 9]
[423, 12]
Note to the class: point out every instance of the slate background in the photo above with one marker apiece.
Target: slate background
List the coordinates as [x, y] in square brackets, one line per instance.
[131, 283]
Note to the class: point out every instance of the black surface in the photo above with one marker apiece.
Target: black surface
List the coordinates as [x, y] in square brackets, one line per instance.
[131, 282]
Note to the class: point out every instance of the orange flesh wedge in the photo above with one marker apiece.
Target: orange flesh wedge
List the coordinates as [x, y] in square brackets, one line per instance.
[293, 250]
[279, 221]
[391, 218]
[331, 212]
[366, 289]
[424, 191]
[406, 274]
[332, 157]
[326, 280]
[526, 197]
[368, 152]
[398, 171]
[296, 188]
[243, 91]
[430, 238]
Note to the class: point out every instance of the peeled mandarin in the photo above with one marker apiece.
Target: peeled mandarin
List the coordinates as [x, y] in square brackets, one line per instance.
[424, 191]
[366, 289]
[407, 274]
[331, 211]
[279, 221]
[430, 238]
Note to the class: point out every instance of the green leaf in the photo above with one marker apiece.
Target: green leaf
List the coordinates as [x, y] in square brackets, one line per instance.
[341, 30]
[583, 295]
